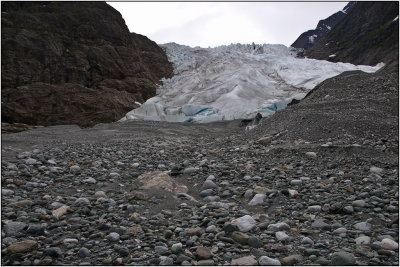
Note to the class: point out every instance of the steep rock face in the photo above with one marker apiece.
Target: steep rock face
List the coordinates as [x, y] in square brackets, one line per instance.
[74, 63]
[369, 34]
[311, 37]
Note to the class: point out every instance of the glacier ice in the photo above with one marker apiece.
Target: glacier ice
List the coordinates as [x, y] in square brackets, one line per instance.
[235, 81]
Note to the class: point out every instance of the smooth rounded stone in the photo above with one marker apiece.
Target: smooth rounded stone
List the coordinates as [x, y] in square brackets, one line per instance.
[203, 253]
[358, 203]
[280, 226]
[389, 244]
[22, 247]
[205, 263]
[293, 193]
[84, 252]
[197, 231]
[166, 261]
[282, 237]
[245, 223]
[292, 260]
[61, 211]
[314, 208]
[211, 177]
[348, 209]
[342, 259]
[311, 155]
[211, 229]
[258, 199]
[160, 250]
[12, 228]
[30, 161]
[266, 140]
[267, 261]
[240, 237]
[255, 242]
[307, 241]
[212, 199]
[100, 194]
[113, 237]
[245, 261]
[54, 252]
[75, 168]
[114, 175]
[123, 251]
[209, 184]
[321, 261]
[247, 177]
[376, 170]
[363, 240]
[207, 192]
[190, 170]
[340, 230]
[176, 248]
[90, 180]
[320, 223]
[7, 192]
[82, 201]
[70, 241]
[35, 229]
[363, 226]
[296, 182]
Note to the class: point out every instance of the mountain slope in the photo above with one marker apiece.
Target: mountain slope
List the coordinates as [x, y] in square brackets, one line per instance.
[74, 63]
[368, 35]
[233, 82]
[311, 37]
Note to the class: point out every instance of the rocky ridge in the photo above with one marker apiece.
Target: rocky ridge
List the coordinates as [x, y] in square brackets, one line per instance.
[368, 35]
[74, 63]
[311, 37]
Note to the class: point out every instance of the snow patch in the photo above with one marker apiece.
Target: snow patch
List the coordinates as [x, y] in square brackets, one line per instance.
[396, 18]
[234, 82]
[311, 38]
[333, 55]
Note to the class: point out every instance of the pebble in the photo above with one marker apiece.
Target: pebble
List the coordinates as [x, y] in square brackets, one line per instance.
[203, 253]
[363, 240]
[342, 259]
[113, 237]
[84, 252]
[389, 244]
[245, 223]
[258, 199]
[363, 226]
[22, 247]
[282, 237]
[245, 261]
[267, 261]
[12, 228]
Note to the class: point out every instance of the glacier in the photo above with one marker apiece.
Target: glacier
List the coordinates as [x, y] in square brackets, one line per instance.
[235, 81]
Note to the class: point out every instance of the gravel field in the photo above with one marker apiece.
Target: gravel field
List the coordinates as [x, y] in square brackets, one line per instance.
[150, 193]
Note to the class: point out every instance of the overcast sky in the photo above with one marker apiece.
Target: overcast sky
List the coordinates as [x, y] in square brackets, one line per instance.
[217, 23]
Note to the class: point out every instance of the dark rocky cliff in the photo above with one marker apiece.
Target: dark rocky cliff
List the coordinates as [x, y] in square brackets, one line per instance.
[311, 37]
[369, 34]
[74, 63]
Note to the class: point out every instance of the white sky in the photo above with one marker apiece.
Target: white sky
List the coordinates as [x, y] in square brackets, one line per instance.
[221, 23]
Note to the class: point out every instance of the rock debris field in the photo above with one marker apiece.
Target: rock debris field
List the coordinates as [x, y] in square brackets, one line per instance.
[157, 193]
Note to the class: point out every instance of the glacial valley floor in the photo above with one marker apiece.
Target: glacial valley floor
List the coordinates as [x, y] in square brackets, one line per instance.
[74, 196]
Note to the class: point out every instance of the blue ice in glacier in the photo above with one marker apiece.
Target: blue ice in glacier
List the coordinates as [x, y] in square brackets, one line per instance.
[235, 81]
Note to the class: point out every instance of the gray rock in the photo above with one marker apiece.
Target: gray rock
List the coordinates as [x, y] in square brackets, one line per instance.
[209, 184]
[160, 250]
[342, 259]
[320, 223]
[292, 260]
[282, 237]
[258, 199]
[176, 248]
[35, 229]
[82, 201]
[245, 261]
[267, 261]
[83, 253]
[312, 155]
[389, 244]
[12, 228]
[54, 252]
[307, 241]
[245, 223]
[113, 237]
[166, 261]
[359, 203]
[363, 240]
[7, 192]
[296, 182]
[75, 168]
[207, 192]
[240, 237]
[255, 242]
[190, 170]
[278, 227]
[363, 226]
[315, 208]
